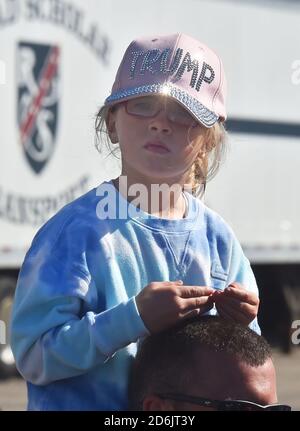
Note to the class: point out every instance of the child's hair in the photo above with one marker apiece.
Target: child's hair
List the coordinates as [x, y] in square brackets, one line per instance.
[204, 168]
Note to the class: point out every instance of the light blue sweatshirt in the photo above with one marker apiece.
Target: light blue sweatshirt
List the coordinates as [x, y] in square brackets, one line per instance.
[75, 322]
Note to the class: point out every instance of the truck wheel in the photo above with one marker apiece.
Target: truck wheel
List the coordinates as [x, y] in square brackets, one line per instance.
[7, 290]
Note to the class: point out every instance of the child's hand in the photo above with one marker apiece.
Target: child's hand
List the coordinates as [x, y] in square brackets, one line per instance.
[163, 303]
[236, 303]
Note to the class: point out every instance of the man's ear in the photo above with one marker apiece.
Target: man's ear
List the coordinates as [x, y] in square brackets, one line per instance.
[111, 128]
[155, 403]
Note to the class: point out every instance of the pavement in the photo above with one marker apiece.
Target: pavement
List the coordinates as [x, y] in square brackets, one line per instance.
[13, 391]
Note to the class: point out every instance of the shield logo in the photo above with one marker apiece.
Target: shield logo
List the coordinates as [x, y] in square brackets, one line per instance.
[37, 104]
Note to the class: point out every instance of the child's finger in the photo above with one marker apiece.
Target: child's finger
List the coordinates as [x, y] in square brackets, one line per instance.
[196, 311]
[237, 285]
[226, 299]
[245, 312]
[194, 291]
[223, 313]
[241, 295]
[188, 304]
[234, 314]
[235, 304]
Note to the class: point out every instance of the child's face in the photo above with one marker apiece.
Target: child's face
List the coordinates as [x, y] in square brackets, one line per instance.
[140, 139]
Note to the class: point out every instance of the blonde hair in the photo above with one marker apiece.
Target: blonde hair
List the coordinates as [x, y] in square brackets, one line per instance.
[209, 159]
[204, 168]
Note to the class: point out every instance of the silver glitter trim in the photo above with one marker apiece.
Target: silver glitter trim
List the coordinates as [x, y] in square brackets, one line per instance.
[199, 111]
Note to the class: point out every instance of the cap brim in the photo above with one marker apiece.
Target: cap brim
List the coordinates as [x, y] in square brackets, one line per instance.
[197, 110]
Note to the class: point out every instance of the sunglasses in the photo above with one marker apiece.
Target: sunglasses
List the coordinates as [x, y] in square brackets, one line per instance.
[150, 106]
[226, 405]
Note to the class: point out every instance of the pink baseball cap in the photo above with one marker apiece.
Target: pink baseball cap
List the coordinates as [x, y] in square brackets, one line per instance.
[177, 66]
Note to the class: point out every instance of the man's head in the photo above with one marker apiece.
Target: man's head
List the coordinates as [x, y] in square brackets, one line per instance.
[208, 358]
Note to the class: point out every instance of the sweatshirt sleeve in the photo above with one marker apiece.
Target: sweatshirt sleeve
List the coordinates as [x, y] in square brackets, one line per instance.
[51, 337]
[241, 272]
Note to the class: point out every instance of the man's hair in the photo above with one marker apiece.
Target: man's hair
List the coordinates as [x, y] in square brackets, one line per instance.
[164, 361]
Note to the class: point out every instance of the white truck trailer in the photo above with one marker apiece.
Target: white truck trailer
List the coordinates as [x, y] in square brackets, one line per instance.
[58, 59]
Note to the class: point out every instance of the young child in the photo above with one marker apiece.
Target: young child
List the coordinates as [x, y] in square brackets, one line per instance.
[108, 269]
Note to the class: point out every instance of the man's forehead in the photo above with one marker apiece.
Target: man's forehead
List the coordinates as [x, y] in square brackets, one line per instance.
[227, 374]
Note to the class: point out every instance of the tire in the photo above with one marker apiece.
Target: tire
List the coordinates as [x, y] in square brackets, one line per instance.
[7, 290]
